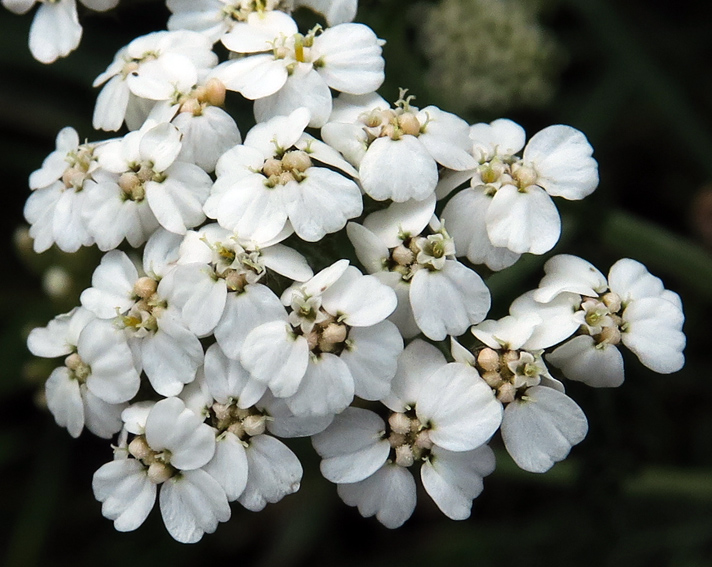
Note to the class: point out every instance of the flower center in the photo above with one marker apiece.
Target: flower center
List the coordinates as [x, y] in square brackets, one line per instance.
[409, 439]
[243, 423]
[158, 462]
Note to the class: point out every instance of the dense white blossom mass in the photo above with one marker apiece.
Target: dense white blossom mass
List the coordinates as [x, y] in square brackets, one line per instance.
[228, 321]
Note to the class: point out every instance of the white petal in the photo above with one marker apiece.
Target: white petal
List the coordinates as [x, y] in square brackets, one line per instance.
[460, 408]
[631, 280]
[172, 426]
[112, 283]
[55, 31]
[446, 137]
[453, 480]
[401, 220]
[321, 203]
[192, 504]
[557, 318]
[540, 429]
[398, 170]
[653, 332]
[372, 355]
[274, 472]
[581, 360]
[101, 418]
[229, 465]
[418, 361]
[275, 357]
[360, 301]
[389, 494]
[370, 250]
[161, 145]
[351, 58]
[253, 77]
[448, 301]
[353, 447]
[246, 311]
[327, 388]
[65, 401]
[227, 379]
[464, 216]
[572, 274]
[561, 156]
[287, 262]
[259, 32]
[501, 137]
[111, 105]
[523, 222]
[303, 88]
[126, 493]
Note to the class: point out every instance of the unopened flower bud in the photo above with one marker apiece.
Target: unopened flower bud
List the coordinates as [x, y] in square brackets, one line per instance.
[409, 124]
[286, 177]
[159, 472]
[390, 131]
[145, 287]
[404, 456]
[191, 106]
[139, 448]
[488, 359]
[145, 173]
[493, 378]
[399, 422]
[128, 182]
[73, 361]
[609, 335]
[236, 281]
[525, 175]
[221, 411]
[215, 92]
[254, 425]
[510, 356]
[423, 441]
[296, 160]
[237, 429]
[272, 167]
[402, 255]
[396, 440]
[612, 301]
[73, 177]
[334, 333]
[506, 393]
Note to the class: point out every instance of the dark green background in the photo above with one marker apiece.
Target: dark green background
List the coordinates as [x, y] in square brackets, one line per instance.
[636, 492]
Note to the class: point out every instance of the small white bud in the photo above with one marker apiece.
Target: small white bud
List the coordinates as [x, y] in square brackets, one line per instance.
[399, 422]
[404, 456]
[159, 472]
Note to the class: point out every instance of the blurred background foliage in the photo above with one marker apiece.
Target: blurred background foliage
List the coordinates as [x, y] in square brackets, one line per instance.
[635, 77]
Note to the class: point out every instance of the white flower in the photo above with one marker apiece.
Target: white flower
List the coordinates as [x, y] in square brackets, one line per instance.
[251, 466]
[98, 375]
[55, 31]
[271, 179]
[214, 18]
[436, 294]
[164, 347]
[171, 452]
[631, 307]
[207, 130]
[284, 70]
[217, 283]
[442, 416]
[397, 150]
[150, 68]
[510, 197]
[59, 190]
[333, 344]
[335, 11]
[540, 423]
[152, 187]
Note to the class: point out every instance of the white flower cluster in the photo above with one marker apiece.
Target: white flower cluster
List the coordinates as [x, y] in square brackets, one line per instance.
[217, 339]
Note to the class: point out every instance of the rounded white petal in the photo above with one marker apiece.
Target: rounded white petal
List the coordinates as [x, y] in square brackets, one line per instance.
[370, 250]
[389, 494]
[112, 286]
[454, 479]
[353, 447]
[358, 300]
[398, 169]
[326, 388]
[229, 465]
[274, 472]
[418, 361]
[561, 156]
[572, 274]
[446, 137]
[501, 137]
[55, 30]
[540, 428]
[126, 493]
[459, 407]
[400, 220]
[448, 301]
[276, 357]
[631, 280]
[244, 312]
[65, 401]
[653, 332]
[192, 504]
[582, 360]
[227, 379]
[372, 358]
[523, 222]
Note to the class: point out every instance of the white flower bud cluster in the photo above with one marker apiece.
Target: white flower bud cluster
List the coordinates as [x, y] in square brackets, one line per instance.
[216, 337]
